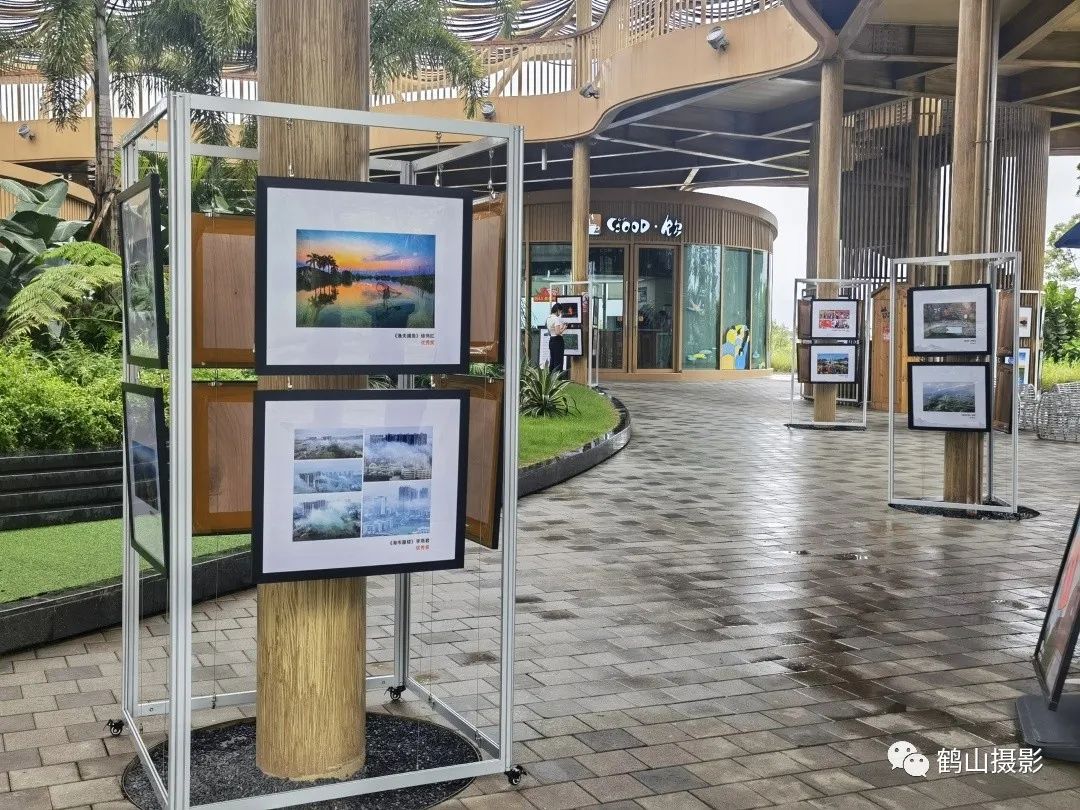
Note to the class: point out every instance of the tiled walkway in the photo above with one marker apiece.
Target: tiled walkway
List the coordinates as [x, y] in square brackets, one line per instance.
[724, 615]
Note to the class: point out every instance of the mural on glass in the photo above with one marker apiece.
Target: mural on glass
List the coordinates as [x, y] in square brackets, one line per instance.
[759, 311]
[701, 304]
[734, 312]
[655, 307]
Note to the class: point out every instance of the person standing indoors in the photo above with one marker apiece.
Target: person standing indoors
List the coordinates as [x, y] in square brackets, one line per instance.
[555, 327]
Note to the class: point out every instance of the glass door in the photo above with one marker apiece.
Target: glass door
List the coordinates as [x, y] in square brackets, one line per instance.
[607, 268]
[655, 307]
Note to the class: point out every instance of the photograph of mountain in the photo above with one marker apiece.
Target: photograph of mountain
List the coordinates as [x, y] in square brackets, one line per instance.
[949, 397]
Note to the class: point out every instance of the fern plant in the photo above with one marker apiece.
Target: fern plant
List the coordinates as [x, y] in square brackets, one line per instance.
[544, 393]
[75, 277]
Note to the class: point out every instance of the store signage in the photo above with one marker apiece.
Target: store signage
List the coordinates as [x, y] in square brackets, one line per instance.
[670, 226]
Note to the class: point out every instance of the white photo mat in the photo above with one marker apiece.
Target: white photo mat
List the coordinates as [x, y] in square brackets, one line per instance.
[833, 364]
[286, 209]
[949, 320]
[1026, 314]
[282, 510]
[572, 343]
[834, 319]
[570, 300]
[949, 396]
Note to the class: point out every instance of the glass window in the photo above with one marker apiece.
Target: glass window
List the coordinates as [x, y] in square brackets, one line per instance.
[759, 311]
[607, 265]
[735, 310]
[701, 304]
[655, 306]
[548, 264]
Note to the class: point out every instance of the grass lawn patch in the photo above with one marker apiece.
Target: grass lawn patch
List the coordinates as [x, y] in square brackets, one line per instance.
[542, 437]
[1054, 372]
[54, 558]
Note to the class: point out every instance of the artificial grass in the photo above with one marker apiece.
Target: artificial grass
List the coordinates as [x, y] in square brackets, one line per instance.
[544, 437]
[55, 558]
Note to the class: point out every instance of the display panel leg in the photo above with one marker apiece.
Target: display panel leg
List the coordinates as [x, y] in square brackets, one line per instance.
[1057, 733]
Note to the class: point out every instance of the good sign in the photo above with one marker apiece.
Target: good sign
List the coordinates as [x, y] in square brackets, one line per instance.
[669, 227]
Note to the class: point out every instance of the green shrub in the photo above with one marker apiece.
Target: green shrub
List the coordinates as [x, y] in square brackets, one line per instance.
[70, 401]
[1061, 319]
[780, 348]
[544, 393]
[1054, 372]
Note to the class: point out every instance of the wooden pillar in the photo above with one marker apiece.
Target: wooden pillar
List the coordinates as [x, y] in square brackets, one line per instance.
[311, 635]
[830, 151]
[579, 247]
[972, 151]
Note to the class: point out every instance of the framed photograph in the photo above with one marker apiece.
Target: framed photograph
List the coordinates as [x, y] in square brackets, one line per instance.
[949, 396]
[949, 320]
[571, 308]
[572, 343]
[222, 424]
[837, 363]
[1026, 314]
[834, 319]
[356, 483]
[1023, 360]
[483, 498]
[487, 316]
[223, 276]
[146, 455]
[361, 278]
[1005, 316]
[145, 328]
[803, 328]
[1057, 640]
[1003, 397]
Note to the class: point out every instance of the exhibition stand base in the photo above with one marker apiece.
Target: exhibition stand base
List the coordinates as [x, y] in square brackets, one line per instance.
[810, 426]
[1057, 733]
[930, 508]
[223, 765]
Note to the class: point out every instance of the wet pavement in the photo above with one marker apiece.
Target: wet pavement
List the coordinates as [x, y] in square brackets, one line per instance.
[724, 615]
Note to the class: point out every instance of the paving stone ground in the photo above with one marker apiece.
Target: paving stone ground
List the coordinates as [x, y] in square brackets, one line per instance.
[725, 615]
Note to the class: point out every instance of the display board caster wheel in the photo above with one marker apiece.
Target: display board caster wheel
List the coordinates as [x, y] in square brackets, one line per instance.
[515, 774]
[115, 727]
[395, 693]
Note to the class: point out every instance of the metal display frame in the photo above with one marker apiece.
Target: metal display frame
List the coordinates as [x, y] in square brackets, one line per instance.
[861, 343]
[592, 374]
[497, 752]
[992, 263]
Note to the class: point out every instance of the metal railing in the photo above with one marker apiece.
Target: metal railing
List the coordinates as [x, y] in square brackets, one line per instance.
[527, 67]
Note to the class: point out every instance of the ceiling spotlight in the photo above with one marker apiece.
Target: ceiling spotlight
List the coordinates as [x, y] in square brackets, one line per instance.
[717, 39]
[25, 132]
[487, 109]
[590, 90]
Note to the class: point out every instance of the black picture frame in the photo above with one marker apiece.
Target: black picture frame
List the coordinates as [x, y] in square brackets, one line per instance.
[262, 366]
[258, 483]
[985, 365]
[157, 397]
[848, 346]
[1052, 689]
[152, 184]
[855, 304]
[977, 351]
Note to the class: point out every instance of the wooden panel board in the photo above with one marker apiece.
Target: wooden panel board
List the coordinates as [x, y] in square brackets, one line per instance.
[488, 261]
[484, 486]
[879, 354]
[223, 290]
[222, 422]
[1003, 394]
[1005, 324]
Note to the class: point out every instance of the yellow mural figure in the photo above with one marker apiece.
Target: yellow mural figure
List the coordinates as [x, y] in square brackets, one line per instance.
[733, 353]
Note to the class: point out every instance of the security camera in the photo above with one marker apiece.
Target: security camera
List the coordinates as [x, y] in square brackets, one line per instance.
[487, 109]
[25, 132]
[590, 90]
[717, 39]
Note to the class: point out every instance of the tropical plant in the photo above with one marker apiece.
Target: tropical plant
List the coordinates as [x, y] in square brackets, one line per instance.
[80, 282]
[780, 347]
[34, 226]
[1061, 319]
[543, 393]
[1061, 264]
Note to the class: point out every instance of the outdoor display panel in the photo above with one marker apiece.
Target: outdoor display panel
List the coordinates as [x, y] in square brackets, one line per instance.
[802, 362]
[1057, 640]
[484, 484]
[804, 318]
[949, 320]
[222, 425]
[1003, 397]
[223, 276]
[572, 343]
[146, 456]
[1005, 323]
[356, 483]
[488, 258]
[837, 363]
[949, 396]
[571, 308]
[361, 278]
[145, 328]
[834, 319]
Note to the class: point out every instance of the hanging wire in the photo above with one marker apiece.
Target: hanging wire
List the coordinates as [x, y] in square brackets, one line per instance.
[491, 175]
[289, 149]
[438, 167]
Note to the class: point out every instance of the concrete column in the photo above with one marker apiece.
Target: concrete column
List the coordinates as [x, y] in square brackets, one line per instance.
[579, 246]
[830, 151]
[311, 635]
[972, 157]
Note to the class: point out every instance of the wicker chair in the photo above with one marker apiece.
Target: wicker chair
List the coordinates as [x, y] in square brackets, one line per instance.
[1029, 402]
[1057, 415]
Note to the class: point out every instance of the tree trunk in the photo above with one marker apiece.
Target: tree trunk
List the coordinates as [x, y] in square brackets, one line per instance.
[311, 635]
[104, 180]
